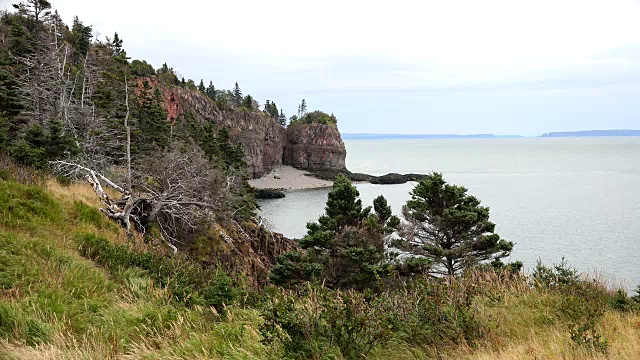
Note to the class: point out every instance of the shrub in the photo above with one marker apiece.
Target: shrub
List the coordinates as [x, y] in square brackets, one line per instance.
[587, 336]
[187, 282]
[314, 321]
[142, 68]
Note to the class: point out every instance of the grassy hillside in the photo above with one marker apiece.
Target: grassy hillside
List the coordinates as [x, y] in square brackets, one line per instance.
[72, 286]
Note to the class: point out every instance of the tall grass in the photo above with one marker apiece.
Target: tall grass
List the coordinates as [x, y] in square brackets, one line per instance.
[73, 287]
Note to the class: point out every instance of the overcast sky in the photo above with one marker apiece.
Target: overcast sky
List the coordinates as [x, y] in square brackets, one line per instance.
[457, 66]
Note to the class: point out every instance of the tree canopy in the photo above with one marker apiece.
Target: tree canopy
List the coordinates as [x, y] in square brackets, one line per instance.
[345, 248]
[450, 227]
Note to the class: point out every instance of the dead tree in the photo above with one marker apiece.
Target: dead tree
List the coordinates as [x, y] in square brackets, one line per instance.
[177, 190]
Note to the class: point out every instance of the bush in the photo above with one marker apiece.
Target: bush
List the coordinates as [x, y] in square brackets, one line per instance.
[587, 336]
[559, 275]
[187, 282]
[142, 68]
[314, 321]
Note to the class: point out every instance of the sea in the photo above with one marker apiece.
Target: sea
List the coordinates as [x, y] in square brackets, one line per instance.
[572, 198]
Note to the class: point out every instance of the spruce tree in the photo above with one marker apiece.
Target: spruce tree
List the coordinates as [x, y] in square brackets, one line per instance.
[282, 119]
[302, 109]
[449, 227]
[345, 248]
[201, 87]
[237, 96]
[152, 130]
[211, 91]
[247, 103]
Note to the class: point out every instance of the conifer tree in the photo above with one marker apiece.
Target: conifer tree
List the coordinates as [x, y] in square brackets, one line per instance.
[36, 9]
[237, 96]
[282, 119]
[345, 248]
[152, 129]
[302, 109]
[211, 91]
[201, 87]
[247, 103]
[449, 227]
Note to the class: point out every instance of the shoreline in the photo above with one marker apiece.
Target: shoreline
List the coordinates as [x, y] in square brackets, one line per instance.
[286, 178]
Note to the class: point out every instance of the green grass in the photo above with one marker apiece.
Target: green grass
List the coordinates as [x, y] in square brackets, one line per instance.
[67, 284]
[73, 287]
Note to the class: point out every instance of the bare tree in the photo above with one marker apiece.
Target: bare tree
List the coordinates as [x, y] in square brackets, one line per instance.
[178, 190]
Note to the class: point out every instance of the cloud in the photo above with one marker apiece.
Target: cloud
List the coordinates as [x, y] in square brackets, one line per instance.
[506, 59]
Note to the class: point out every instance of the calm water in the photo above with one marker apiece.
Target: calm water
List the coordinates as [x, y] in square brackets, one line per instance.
[572, 197]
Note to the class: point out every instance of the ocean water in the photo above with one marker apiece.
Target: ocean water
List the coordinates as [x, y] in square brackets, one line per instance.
[577, 198]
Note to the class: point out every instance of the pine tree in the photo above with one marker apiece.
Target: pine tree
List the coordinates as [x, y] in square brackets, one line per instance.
[247, 103]
[450, 227]
[302, 109]
[237, 96]
[201, 87]
[152, 130]
[345, 248]
[282, 119]
[116, 43]
[36, 9]
[81, 37]
[211, 91]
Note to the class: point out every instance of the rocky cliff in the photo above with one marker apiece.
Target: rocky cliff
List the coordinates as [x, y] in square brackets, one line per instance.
[314, 147]
[265, 143]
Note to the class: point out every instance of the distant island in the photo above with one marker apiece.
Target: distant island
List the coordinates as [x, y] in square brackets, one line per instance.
[583, 133]
[592, 133]
[366, 136]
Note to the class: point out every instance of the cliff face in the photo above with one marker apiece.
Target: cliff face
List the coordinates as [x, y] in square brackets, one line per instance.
[314, 147]
[265, 143]
[261, 137]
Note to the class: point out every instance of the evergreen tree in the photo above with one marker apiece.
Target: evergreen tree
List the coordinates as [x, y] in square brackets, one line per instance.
[302, 109]
[201, 86]
[450, 227]
[232, 155]
[152, 130]
[211, 91]
[247, 103]
[35, 9]
[116, 43]
[345, 248]
[237, 96]
[40, 145]
[81, 37]
[10, 104]
[282, 119]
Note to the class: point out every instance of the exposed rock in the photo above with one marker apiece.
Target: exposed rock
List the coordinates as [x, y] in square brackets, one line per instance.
[394, 178]
[248, 249]
[315, 147]
[269, 193]
[266, 143]
[388, 179]
[261, 137]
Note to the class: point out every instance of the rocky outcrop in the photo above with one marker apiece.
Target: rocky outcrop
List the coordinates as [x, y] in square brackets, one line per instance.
[261, 137]
[315, 147]
[266, 144]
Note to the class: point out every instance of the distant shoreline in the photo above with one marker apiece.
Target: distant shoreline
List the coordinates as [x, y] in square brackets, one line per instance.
[559, 134]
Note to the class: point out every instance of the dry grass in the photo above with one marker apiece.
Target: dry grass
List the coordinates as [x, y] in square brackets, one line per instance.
[622, 331]
[92, 315]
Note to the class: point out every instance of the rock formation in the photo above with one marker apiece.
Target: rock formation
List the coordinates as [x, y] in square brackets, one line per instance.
[315, 147]
[265, 143]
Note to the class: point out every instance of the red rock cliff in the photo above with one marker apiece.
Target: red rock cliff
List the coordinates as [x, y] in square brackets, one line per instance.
[314, 147]
[265, 143]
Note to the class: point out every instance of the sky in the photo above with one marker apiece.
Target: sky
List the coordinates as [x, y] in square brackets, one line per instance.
[417, 67]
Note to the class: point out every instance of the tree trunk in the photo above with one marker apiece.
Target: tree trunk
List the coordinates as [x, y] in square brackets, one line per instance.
[126, 125]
